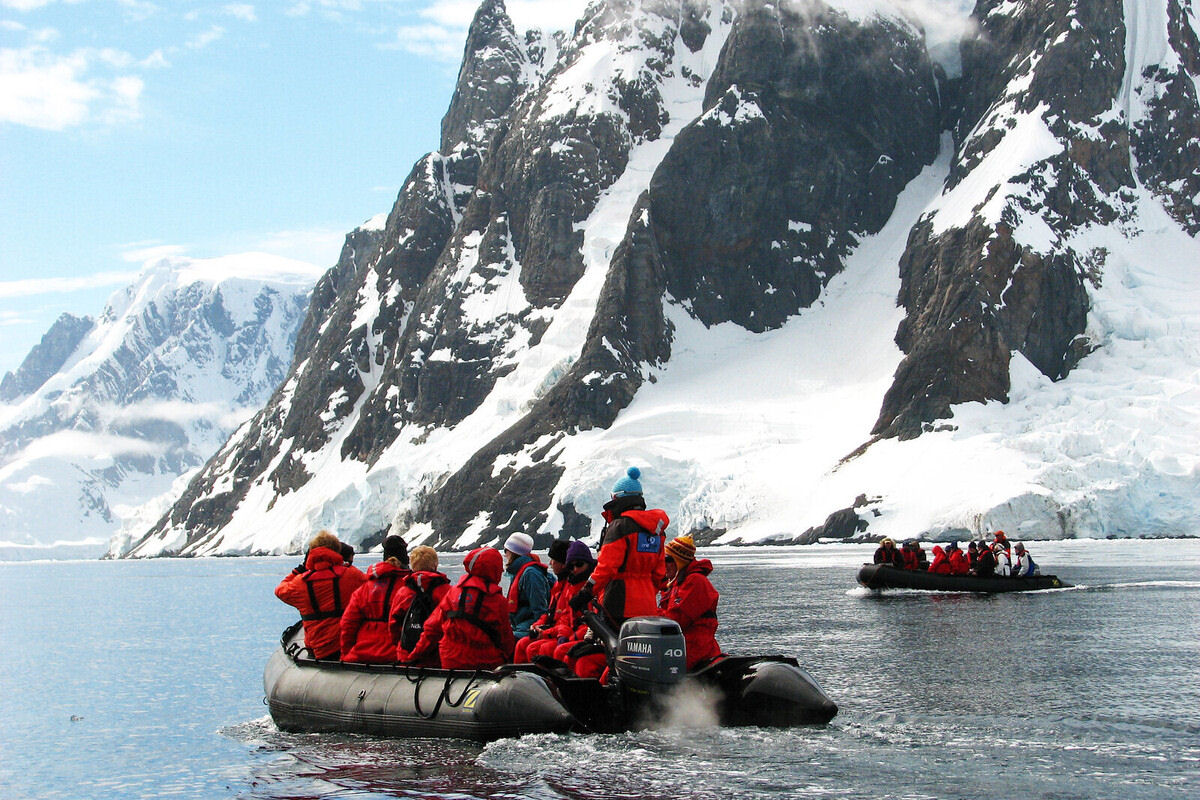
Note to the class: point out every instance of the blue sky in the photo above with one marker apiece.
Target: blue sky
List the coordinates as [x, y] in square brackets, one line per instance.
[130, 129]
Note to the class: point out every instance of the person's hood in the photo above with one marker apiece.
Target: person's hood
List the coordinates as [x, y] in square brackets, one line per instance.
[378, 572]
[701, 565]
[322, 558]
[426, 579]
[485, 563]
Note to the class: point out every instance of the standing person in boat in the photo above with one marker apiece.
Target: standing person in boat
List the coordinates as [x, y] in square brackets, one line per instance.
[691, 600]
[1001, 539]
[556, 554]
[413, 603]
[1023, 566]
[886, 553]
[470, 627]
[320, 588]
[630, 567]
[365, 632]
[985, 561]
[529, 587]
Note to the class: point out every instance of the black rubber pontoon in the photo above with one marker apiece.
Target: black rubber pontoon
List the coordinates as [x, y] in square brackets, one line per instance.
[390, 700]
[884, 576]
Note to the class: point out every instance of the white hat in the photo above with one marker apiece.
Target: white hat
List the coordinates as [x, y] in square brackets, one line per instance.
[519, 543]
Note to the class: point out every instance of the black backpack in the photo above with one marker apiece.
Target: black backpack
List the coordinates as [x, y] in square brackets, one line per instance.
[414, 619]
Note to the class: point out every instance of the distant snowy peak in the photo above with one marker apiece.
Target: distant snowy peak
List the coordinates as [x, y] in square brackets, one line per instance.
[47, 357]
[174, 363]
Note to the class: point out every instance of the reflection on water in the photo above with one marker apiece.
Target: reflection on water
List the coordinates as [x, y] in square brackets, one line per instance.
[1084, 693]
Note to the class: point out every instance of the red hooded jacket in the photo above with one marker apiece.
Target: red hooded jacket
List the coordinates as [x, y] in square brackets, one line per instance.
[470, 627]
[436, 584]
[321, 593]
[630, 567]
[365, 634]
[692, 602]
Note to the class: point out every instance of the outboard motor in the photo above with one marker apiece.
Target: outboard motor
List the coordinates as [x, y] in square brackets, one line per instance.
[647, 659]
[650, 660]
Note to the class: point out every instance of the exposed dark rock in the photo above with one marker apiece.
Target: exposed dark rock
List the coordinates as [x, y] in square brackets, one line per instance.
[47, 356]
[976, 293]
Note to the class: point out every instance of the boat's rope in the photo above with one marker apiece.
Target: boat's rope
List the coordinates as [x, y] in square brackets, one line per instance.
[443, 695]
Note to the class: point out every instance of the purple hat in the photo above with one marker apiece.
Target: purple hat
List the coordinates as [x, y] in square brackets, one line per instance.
[578, 551]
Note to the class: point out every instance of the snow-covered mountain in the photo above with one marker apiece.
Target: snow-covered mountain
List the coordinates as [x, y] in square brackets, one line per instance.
[812, 279]
[104, 415]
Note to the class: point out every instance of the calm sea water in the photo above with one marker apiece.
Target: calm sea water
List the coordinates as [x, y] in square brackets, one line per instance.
[144, 680]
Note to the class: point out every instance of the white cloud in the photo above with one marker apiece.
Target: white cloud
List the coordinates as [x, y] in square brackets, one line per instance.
[206, 38]
[9, 318]
[432, 41]
[319, 246]
[24, 5]
[141, 253]
[75, 445]
[41, 89]
[242, 11]
[178, 412]
[32, 287]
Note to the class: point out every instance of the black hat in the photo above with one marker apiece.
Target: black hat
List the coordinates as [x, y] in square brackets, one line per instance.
[558, 550]
[395, 547]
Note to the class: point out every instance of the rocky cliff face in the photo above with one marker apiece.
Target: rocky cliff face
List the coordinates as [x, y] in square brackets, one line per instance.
[124, 405]
[716, 166]
[47, 357]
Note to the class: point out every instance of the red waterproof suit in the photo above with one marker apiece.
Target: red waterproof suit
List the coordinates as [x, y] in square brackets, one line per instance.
[559, 624]
[321, 593]
[630, 567]
[365, 634]
[470, 627]
[692, 602]
[437, 585]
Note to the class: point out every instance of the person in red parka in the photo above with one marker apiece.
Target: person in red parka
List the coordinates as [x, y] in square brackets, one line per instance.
[629, 568]
[470, 627]
[940, 564]
[959, 565]
[564, 625]
[366, 637]
[430, 586]
[691, 600]
[320, 590]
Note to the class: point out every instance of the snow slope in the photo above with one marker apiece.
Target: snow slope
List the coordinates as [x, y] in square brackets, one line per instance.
[176, 362]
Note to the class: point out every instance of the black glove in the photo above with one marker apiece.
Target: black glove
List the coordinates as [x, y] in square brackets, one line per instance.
[586, 648]
[582, 598]
[299, 569]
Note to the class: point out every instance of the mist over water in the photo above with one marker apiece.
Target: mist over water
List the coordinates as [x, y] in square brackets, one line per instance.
[1084, 693]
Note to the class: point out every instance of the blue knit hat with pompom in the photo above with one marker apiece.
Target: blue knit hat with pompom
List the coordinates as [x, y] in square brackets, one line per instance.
[628, 485]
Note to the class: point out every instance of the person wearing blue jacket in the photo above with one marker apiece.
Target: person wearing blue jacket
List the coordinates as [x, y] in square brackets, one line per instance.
[529, 589]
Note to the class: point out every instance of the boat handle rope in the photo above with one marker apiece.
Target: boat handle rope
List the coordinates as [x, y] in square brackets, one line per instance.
[443, 695]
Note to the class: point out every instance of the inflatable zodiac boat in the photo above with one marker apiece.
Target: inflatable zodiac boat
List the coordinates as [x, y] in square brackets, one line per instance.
[647, 668]
[883, 576]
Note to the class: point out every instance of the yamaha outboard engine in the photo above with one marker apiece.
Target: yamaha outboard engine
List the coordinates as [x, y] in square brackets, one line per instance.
[650, 660]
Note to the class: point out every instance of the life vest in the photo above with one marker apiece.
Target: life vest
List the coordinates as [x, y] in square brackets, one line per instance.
[514, 590]
[321, 594]
[469, 612]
